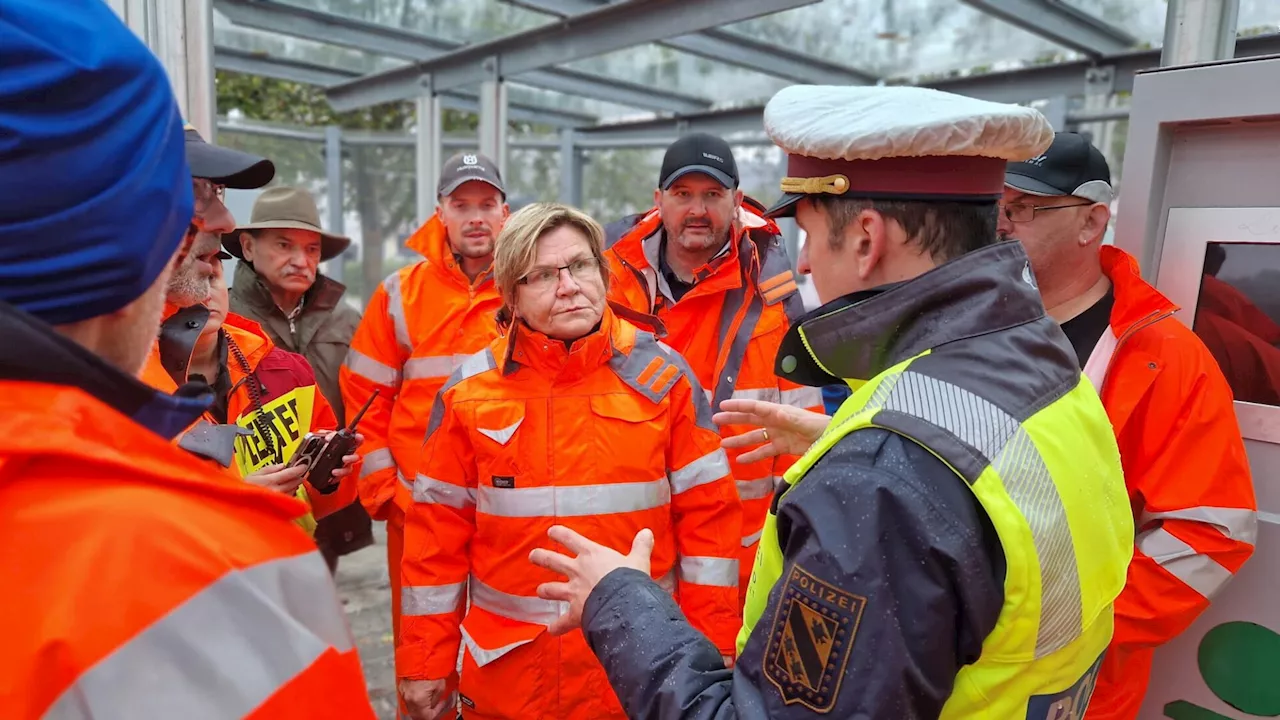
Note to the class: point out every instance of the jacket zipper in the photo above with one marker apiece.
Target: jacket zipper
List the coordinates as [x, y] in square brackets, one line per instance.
[1151, 319]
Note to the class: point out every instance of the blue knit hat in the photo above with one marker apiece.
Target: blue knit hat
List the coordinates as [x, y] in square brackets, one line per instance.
[95, 193]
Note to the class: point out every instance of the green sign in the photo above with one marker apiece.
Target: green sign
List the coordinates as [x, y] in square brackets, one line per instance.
[1240, 662]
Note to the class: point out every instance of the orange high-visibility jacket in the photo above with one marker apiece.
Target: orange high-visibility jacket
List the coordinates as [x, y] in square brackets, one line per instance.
[1188, 478]
[729, 327]
[137, 584]
[419, 324]
[277, 372]
[607, 437]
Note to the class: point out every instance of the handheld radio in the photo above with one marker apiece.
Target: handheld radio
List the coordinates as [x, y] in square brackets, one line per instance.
[322, 457]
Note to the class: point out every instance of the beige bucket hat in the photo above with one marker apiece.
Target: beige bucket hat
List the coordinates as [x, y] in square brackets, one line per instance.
[287, 208]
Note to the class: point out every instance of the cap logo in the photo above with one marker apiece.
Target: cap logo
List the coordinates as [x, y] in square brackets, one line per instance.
[469, 160]
[1037, 161]
[709, 156]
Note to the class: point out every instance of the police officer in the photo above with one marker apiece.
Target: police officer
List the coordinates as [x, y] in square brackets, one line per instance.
[952, 544]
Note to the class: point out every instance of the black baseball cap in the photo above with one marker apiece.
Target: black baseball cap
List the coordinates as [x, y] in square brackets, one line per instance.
[224, 166]
[699, 153]
[465, 167]
[1071, 166]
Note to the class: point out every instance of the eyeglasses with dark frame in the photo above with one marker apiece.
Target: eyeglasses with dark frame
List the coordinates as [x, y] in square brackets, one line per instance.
[1023, 213]
[543, 278]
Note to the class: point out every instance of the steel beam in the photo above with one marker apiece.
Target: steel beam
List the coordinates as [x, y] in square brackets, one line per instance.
[429, 154]
[732, 48]
[611, 27]
[1060, 22]
[299, 71]
[278, 17]
[1199, 31]
[334, 196]
[1014, 86]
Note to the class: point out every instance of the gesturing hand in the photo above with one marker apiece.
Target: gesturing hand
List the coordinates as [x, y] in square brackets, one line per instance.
[781, 429]
[279, 478]
[428, 699]
[585, 571]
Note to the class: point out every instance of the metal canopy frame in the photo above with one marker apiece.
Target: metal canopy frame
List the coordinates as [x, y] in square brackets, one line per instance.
[278, 17]
[729, 47]
[1069, 79]
[606, 29]
[300, 71]
[1064, 24]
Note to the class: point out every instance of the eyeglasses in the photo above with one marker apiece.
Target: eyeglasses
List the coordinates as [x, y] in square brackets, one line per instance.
[206, 192]
[1020, 213]
[545, 278]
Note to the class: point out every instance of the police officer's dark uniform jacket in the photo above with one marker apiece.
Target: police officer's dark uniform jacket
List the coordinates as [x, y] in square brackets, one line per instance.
[936, 553]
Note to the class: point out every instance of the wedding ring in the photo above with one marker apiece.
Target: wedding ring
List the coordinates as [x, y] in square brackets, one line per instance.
[766, 434]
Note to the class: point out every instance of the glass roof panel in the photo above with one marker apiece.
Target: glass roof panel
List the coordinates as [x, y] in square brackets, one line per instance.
[1258, 17]
[227, 34]
[903, 38]
[1142, 19]
[677, 71]
[460, 20]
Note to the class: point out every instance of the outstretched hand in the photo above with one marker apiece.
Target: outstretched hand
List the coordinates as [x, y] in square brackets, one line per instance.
[592, 562]
[780, 429]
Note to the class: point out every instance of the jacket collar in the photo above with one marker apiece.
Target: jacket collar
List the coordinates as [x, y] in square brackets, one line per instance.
[858, 336]
[640, 247]
[182, 327]
[524, 347]
[1136, 300]
[432, 242]
[249, 287]
[34, 352]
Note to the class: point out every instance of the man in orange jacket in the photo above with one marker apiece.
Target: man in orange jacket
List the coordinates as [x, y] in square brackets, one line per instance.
[712, 269]
[265, 399]
[418, 325]
[217, 434]
[1183, 457]
[137, 584]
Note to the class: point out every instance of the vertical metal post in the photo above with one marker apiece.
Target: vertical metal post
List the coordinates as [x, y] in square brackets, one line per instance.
[429, 152]
[1199, 31]
[1055, 111]
[493, 116]
[180, 33]
[335, 267]
[1099, 93]
[570, 169]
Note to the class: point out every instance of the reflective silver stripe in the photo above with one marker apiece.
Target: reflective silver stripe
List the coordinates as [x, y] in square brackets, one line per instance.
[438, 492]
[1200, 572]
[484, 657]
[404, 481]
[803, 398]
[431, 366]
[1236, 523]
[430, 599]
[522, 608]
[753, 538]
[371, 370]
[769, 394]
[1013, 455]
[375, 460]
[706, 469]
[719, 572]
[573, 500]
[756, 489]
[395, 310]
[222, 652]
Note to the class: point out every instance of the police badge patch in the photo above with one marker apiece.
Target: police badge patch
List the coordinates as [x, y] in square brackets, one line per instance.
[809, 643]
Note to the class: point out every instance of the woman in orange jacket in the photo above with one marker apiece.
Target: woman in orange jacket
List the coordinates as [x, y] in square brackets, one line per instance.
[572, 417]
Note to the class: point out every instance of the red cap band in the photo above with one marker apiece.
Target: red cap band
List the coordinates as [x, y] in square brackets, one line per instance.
[962, 176]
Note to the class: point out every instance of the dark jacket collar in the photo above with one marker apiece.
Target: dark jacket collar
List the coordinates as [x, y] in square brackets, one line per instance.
[858, 336]
[248, 286]
[34, 352]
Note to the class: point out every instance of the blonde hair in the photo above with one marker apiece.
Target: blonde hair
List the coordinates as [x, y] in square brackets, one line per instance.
[517, 246]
